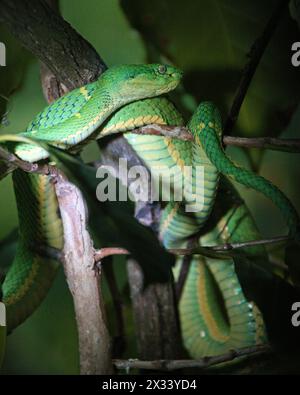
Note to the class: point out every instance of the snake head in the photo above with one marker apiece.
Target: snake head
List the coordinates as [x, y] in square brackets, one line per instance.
[134, 82]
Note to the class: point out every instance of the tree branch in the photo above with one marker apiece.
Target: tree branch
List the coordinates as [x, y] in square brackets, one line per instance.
[182, 133]
[155, 316]
[184, 270]
[54, 42]
[52, 87]
[179, 132]
[271, 143]
[109, 251]
[73, 62]
[228, 246]
[183, 274]
[256, 52]
[205, 362]
[13, 162]
[94, 339]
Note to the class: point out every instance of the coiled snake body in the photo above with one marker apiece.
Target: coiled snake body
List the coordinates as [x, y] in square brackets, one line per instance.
[124, 98]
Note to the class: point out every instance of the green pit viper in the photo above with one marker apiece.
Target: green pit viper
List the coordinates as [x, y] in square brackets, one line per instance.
[123, 98]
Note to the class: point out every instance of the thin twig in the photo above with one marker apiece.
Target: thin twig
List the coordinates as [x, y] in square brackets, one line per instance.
[271, 143]
[228, 246]
[108, 251]
[179, 132]
[182, 133]
[14, 162]
[255, 55]
[184, 270]
[205, 362]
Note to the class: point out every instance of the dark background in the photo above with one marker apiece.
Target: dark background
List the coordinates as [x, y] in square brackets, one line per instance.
[209, 40]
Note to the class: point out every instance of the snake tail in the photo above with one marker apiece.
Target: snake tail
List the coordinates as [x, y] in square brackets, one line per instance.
[40, 228]
[211, 142]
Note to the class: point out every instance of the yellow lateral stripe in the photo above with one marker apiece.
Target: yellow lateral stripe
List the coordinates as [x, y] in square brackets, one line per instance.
[205, 312]
[85, 93]
[14, 298]
[174, 153]
[36, 261]
[135, 122]
[34, 267]
[170, 216]
[260, 333]
[132, 123]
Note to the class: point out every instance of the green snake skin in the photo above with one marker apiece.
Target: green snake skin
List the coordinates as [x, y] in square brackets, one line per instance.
[231, 321]
[66, 123]
[212, 145]
[208, 326]
[124, 98]
[31, 273]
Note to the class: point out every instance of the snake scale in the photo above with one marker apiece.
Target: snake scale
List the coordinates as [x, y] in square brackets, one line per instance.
[215, 314]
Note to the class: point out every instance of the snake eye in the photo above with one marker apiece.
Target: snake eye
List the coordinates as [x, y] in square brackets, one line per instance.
[162, 69]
